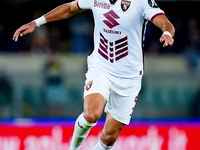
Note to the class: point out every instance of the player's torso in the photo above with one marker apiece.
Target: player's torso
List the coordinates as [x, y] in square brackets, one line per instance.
[118, 36]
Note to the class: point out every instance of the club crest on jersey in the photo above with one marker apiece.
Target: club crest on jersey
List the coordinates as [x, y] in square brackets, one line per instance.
[152, 3]
[125, 4]
[88, 85]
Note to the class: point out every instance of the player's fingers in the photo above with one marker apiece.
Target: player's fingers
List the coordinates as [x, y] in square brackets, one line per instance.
[165, 44]
[168, 42]
[16, 38]
[162, 39]
[24, 32]
[17, 33]
[171, 42]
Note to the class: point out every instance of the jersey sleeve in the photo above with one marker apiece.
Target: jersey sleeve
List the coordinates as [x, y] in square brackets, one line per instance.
[149, 9]
[84, 4]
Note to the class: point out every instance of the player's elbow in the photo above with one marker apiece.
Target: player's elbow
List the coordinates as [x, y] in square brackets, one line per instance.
[71, 9]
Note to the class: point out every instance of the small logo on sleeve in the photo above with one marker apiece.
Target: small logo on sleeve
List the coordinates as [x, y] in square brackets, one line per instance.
[152, 3]
[88, 85]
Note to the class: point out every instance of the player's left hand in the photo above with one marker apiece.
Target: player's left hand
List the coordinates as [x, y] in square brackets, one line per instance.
[167, 40]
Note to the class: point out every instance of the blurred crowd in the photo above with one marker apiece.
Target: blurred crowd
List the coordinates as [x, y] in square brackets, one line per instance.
[67, 38]
[75, 35]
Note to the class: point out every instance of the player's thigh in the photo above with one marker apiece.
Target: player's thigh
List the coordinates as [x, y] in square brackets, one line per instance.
[93, 107]
[96, 91]
[111, 130]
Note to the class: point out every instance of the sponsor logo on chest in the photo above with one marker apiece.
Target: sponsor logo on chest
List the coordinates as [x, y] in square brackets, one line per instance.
[125, 4]
[111, 22]
[112, 16]
[101, 5]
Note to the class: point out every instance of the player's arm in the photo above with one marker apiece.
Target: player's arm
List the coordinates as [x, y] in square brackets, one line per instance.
[59, 13]
[168, 29]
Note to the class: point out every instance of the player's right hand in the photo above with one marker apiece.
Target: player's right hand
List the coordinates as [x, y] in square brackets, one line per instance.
[23, 30]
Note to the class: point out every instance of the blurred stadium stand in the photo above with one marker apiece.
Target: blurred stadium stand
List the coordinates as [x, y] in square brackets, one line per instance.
[171, 83]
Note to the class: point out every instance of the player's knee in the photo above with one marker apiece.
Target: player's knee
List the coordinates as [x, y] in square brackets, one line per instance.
[92, 117]
[108, 140]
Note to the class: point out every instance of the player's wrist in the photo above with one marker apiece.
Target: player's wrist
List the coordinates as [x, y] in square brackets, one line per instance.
[167, 33]
[40, 21]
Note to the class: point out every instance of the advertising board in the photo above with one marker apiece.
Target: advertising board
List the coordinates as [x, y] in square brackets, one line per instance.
[139, 135]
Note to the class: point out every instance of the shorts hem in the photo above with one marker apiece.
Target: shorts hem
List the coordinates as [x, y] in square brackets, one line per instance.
[94, 93]
[119, 119]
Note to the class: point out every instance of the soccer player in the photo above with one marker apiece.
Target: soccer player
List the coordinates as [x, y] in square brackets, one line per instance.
[115, 66]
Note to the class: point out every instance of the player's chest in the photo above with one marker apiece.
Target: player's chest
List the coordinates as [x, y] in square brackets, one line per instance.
[114, 12]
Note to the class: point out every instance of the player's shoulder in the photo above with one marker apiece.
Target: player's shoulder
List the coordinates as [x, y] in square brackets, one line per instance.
[149, 3]
[85, 4]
